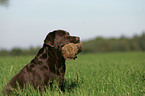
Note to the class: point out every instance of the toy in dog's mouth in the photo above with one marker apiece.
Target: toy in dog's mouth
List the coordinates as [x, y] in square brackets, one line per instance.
[70, 50]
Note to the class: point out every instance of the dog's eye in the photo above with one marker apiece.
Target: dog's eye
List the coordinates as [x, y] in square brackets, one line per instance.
[66, 35]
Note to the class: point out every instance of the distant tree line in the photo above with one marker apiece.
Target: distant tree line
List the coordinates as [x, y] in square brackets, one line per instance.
[99, 44]
[19, 51]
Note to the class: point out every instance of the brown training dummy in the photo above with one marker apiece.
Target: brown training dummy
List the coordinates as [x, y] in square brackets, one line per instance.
[70, 50]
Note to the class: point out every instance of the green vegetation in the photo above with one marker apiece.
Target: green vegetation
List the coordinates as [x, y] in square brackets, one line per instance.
[102, 74]
[97, 45]
[100, 44]
[19, 51]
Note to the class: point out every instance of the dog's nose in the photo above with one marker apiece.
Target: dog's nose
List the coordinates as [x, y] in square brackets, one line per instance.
[77, 39]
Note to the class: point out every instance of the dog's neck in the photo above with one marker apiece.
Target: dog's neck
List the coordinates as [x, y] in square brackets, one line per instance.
[48, 53]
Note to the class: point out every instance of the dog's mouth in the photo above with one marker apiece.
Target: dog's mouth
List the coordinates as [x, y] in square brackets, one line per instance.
[72, 58]
[75, 57]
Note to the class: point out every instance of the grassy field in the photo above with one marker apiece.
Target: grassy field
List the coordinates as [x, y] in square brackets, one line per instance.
[103, 74]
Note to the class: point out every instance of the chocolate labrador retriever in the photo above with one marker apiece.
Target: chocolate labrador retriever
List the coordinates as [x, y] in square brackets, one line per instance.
[48, 64]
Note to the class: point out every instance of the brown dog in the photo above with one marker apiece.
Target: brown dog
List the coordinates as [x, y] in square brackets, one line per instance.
[49, 64]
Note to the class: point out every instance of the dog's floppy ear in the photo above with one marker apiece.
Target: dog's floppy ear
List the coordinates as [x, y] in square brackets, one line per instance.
[49, 40]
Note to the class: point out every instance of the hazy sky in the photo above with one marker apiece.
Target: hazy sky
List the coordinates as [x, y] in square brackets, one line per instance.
[25, 23]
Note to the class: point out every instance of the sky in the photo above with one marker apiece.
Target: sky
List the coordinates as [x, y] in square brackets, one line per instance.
[25, 23]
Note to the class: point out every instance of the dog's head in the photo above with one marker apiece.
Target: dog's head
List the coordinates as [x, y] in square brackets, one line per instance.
[59, 38]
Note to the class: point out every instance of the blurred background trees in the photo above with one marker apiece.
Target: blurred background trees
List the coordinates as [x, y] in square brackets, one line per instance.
[99, 44]
[4, 3]
[19, 51]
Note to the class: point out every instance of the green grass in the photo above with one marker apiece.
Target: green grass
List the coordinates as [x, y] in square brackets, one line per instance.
[103, 74]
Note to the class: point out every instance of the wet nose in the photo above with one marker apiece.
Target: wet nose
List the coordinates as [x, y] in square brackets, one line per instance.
[77, 39]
